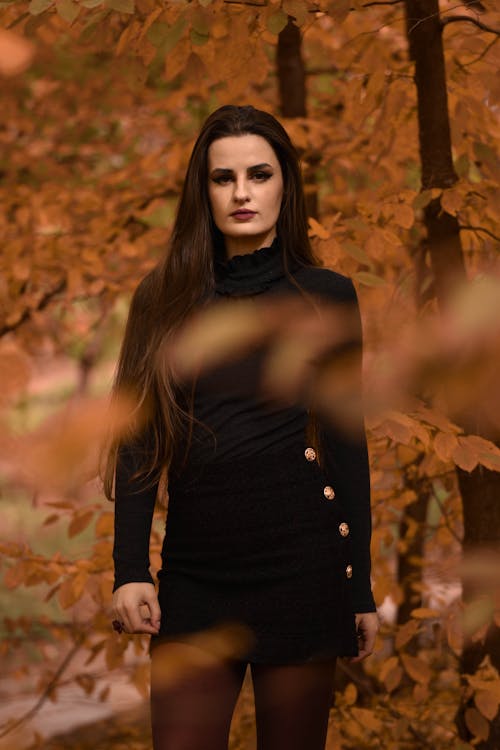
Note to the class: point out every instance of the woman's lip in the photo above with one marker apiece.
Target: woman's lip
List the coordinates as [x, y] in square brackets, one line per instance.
[243, 213]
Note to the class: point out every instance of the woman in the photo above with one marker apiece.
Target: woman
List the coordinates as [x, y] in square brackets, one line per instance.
[258, 531]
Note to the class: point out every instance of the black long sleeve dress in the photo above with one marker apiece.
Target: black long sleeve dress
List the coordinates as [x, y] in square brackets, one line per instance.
[257, 531]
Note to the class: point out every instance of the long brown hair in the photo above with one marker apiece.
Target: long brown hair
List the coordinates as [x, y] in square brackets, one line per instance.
[184, 278]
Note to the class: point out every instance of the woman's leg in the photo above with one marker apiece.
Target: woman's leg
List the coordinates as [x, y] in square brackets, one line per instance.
[292, 703]
[192, 698]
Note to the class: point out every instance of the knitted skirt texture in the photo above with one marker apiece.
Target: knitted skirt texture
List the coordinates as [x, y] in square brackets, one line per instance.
[258, 541]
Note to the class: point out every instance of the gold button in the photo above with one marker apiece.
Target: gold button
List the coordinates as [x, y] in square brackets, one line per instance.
[348, 571]
[310, 454]
[329, 492]
[344, 528]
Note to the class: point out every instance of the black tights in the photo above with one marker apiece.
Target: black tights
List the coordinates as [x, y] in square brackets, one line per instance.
[192, 710]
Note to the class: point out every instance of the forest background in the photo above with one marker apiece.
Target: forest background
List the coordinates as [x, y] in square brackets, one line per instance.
[394, 108]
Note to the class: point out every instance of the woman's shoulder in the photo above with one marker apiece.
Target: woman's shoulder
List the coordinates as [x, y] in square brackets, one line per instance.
[326, 283]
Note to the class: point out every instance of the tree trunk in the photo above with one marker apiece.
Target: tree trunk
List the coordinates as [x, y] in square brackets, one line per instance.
[291, 73]
[480, 489]
[293, 98]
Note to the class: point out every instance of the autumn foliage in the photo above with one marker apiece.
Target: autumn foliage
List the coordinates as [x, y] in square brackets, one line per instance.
[101, 100]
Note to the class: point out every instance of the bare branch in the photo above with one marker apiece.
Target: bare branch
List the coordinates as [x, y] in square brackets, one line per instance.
[381, 2]
[18, 20]
[478, 229]
[9, 726]
[248, 2]
[44, 301]
[314, 10]
[479, 57]
[470, 19]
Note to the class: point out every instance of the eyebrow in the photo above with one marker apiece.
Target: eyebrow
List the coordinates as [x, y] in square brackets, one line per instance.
[225, 170]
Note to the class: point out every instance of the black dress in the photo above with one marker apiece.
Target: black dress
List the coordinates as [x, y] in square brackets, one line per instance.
[257, 531]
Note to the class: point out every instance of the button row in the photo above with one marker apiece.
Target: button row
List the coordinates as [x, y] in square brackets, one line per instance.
[329, 493]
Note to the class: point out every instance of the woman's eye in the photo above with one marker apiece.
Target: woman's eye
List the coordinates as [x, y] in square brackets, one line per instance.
[225, 178]
[222, 179]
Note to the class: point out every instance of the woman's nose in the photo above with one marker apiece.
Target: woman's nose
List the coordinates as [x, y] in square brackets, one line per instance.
[240, 191]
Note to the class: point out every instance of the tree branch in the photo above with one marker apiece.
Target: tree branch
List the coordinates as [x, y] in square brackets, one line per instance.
[478, 229]
[381, 2]
[313, 10]
[469, 19]
[9, 726]
[44, 301]
[479, 57]
[18, 20]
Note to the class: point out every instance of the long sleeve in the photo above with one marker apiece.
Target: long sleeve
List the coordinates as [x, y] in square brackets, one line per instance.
[134, 506]
[348, 463]
[346, 459]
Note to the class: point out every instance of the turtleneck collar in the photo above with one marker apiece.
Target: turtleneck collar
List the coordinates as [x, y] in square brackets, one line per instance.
[249, 274]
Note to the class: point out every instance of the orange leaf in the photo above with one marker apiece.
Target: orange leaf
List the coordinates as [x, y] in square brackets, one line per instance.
[393, 678]
[367, 719]
[464, 456]
[51, 519]
[404, 215]
[444, 445]
[65, 596]
[80, 522]
[406, 633]
[151, 18]
[115, 649]
[370, 279]
[452, 200]
[104, 694]
[125, 37]
[51, 592]
[351, 694]
[477, 724]
[339, 9]
[487, 702]
[454, 635]
[105, 524]
[423, 613]
[420, 693]
[417, 669]
[391, 237]
[140, 678]
[387, 666]
[15, 575]
[479, 683]
[317, 229]
[86, 682]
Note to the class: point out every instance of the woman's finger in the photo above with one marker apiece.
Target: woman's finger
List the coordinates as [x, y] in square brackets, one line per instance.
[151, 602]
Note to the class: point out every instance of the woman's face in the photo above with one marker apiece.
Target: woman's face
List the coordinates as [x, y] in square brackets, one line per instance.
[244, 174]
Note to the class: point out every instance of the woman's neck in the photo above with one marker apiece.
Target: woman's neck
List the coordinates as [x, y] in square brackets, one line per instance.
[247, 245]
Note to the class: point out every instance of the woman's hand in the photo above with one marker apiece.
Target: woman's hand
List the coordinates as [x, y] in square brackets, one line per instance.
[367, 625]
[127, 603]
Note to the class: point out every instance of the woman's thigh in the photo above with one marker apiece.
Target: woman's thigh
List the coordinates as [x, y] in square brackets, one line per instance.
[193, 697]
[292, 704]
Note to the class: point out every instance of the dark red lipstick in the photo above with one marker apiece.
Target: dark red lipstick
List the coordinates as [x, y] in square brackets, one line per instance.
[243, 213]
